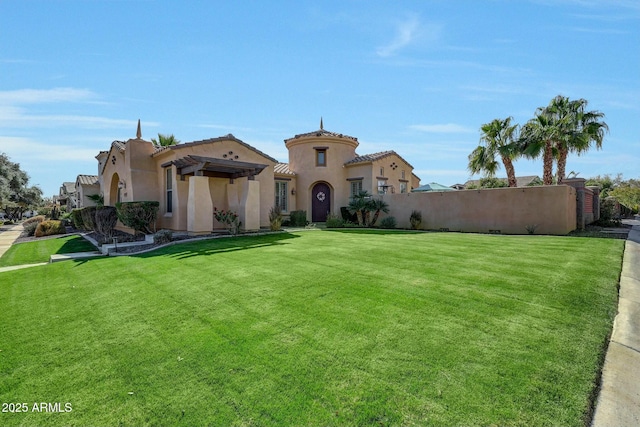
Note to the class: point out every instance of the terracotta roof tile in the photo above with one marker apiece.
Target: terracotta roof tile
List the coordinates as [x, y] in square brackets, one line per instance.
[367, 158]
[87, 179]
[283, 169]
[228, 137]
[322, 132]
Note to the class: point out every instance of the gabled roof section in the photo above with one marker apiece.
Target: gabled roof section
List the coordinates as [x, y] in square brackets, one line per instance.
[368, 158]
[69, 187]
[87, 179]
[228, 137]
[283, 169]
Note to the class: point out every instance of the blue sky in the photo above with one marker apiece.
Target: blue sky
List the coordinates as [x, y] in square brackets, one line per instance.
[418, 77]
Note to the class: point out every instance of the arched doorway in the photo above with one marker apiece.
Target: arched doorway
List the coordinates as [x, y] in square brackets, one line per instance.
[320, 202]
[114, 191]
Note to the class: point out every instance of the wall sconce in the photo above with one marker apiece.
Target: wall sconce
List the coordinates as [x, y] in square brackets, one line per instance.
[293, 191]
[122, 185]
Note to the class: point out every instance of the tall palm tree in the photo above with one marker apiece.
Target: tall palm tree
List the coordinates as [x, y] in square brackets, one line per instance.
[539, 136]
[359, 204]
[582, 128]
[499, 138]
[165, 140]
[377, 206]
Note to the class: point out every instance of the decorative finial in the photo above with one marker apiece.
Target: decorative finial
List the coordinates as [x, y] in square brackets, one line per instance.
[321, 125]
[139, 131]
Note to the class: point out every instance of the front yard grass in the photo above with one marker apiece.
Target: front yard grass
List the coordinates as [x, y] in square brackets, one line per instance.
[40, 250]
[321, 328]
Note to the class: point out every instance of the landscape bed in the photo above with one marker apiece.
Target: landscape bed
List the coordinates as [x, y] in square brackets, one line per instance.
[350, 327]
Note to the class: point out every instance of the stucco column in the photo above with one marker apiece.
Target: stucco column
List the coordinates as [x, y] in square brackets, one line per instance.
[250, 205]
[199, 206]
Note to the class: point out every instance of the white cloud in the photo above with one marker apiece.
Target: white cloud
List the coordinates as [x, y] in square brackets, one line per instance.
[406, 33]
[443, 128]
[18, 147]
[38, 96]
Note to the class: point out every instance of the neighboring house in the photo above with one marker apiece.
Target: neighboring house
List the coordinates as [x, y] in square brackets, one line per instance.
[86, 185]
[68, 195]
[189, 180]
[522, 181]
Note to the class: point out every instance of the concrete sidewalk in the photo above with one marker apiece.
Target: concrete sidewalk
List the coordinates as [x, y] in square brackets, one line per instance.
[8, 235]
[618, 404]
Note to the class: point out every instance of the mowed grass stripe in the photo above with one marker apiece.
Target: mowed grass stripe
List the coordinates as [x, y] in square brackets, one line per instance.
[315, 328]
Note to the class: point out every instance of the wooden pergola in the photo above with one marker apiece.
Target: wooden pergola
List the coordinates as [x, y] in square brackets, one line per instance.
[192, 165]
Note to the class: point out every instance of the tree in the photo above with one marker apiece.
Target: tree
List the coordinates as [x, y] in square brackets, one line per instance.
[561, 127]
[165, 140]
[377, 206]
[15, 195]
[581, 129]
[498, 137]
[358, 205]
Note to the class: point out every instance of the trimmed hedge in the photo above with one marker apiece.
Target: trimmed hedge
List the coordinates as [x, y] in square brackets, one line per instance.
[76, 217]
[89, 218]
[141, 216]
[49, 228]
[298, 218]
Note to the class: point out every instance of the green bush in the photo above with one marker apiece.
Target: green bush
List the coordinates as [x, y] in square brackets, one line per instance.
[89, 217]
[275, 218]
[49, 228]
[141, 216]
[298, 218]
[415, 220]
[334, 221]
[76, 217]
[162, 236]
[388, 222]
[106, 219]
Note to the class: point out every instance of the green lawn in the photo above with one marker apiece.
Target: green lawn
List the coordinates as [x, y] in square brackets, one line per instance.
[40, 250]
[315, 328]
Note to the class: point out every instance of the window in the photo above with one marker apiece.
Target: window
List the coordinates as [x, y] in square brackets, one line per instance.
[382, 186]
[169, 207]
[381, 171]
[321, 157]
[281, 196]
[356, 187]
[403, 187]
[403, 175]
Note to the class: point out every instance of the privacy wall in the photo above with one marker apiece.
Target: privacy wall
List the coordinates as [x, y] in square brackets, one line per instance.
[544, 209]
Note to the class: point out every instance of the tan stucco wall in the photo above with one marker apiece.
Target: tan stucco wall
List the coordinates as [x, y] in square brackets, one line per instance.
[84, 191]
[302, 161]
[509, 210]
[177, 220]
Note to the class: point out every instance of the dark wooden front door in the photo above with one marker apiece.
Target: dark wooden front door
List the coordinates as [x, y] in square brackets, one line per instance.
[320, 202]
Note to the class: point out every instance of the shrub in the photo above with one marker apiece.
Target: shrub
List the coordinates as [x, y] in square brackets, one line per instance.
[36, 219]
[334, 221]
[30, 228]
[347, 216]
[275, 218]
[106, 219]
[49, 228]
[416, 220]
[141, 216]
[388, 222]
[89, 217]
[163, 236]
[76, 217]
[229, 219]
[298, 218]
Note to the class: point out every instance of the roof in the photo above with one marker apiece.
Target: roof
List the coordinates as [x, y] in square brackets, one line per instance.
[522, 181]
[228, 137]
[212, 167]
[68, 187]
[119, 145]
[368, 158]
[87, 179]
[282, 169]
[322, 132]
[432, 186]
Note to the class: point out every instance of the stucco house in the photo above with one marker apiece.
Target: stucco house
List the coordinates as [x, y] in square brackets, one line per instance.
[86, 185]
[190, 179]
[68, 196]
